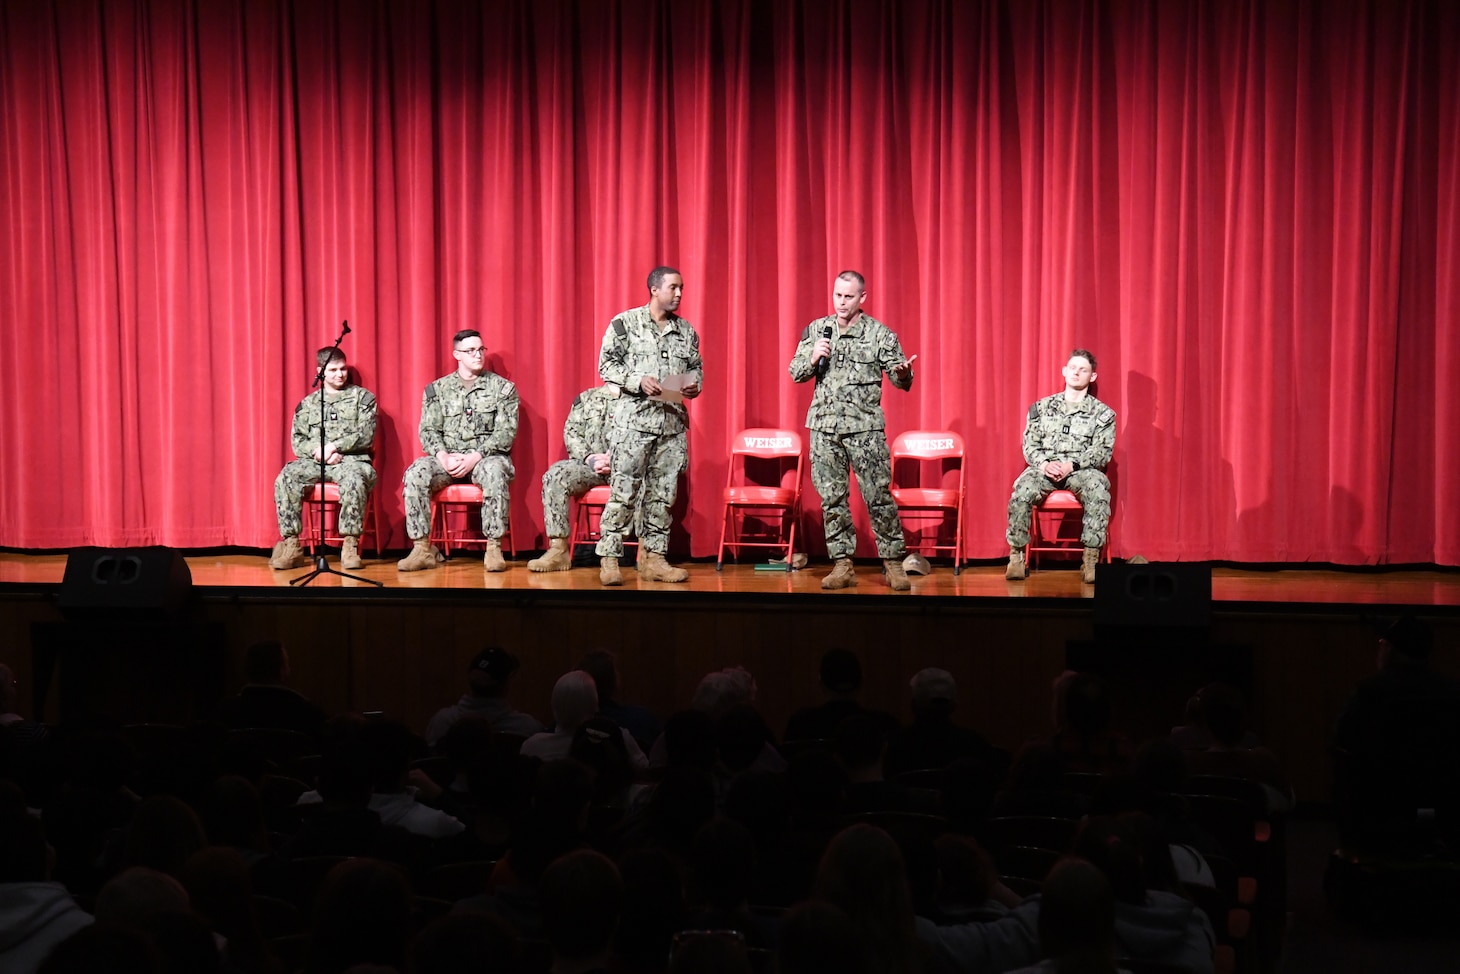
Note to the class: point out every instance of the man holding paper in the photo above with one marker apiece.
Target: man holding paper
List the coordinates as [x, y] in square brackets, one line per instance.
[653, 356]
[847, 352]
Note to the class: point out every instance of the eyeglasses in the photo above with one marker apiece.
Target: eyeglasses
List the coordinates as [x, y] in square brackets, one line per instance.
[473, 352]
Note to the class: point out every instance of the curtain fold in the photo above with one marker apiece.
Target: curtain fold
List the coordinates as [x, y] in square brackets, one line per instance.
[1250, 213]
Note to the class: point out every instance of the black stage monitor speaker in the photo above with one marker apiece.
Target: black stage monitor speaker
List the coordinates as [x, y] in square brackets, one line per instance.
[131, 580]
[1167, 595]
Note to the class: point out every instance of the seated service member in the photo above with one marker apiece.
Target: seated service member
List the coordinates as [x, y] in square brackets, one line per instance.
[468, 423]
[649, 442]
[585, 434]
[1068, 440]
[848, 428]
[349, 432]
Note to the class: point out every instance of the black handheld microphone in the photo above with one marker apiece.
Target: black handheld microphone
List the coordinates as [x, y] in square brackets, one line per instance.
[823, 364]
[345, 327]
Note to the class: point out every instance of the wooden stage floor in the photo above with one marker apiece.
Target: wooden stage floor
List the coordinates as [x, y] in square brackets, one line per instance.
[1253, 587]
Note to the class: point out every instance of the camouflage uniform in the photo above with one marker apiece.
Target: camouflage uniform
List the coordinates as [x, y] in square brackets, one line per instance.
[648, 445]
[460, 418]
[849, 431]
[584, 433]
[1081, 432]
[349, 423]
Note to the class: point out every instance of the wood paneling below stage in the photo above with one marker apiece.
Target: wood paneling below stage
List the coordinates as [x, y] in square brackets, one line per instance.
[403, 649]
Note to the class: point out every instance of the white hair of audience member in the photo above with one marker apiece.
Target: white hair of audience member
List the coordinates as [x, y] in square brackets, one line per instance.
[575, 699]
[724, 690]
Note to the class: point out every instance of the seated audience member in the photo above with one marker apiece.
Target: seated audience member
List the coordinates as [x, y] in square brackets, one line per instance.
[970, 889]
[465, 942]
[267, 700]
[718, 693]
[1396, 746]
[1221, 711]
[561, 796]
[163, 835]
[220, 891]
[859, 743]
[581, 895]
[95, 802]
[362, 916]
[862, 874]
[933, 740]
[745, 742]
[1152, 923]
[841, 684]
[35, 913]
[575, 700]
[1076, 921]
[1192, 734]
[1036, 786]
[638, 721]
[385, 747]
[233, 816]
[1084, 739]
[487, 683]
[24, 734]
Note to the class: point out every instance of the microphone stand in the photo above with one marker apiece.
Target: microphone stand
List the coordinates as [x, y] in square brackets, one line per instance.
[321, 565]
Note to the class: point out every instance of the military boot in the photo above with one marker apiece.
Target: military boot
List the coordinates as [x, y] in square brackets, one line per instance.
[288, 554]
[843, 575]
[608, 573]
[350, 554]
[493, 561]
[1017, 568]
[1087, 567]
[556, 559]
[421, 558]
[896, 575]
[653, 568]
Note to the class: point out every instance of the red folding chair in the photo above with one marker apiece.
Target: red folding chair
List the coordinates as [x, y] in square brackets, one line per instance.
[762, 493]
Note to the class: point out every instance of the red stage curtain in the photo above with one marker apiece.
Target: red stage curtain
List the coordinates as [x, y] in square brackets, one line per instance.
[1250, 211]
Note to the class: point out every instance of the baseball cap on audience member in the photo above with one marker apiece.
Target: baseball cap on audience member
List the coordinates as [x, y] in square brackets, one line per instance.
[495, 662]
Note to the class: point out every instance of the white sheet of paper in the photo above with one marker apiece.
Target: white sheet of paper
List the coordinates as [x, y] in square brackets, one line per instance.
[671, 386]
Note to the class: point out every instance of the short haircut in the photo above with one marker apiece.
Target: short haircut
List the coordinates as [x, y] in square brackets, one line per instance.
[658, 274]
[463, 335]
[1076, 911]
[264, 661]
[1085, 354]
[327, 355]
[850, 275]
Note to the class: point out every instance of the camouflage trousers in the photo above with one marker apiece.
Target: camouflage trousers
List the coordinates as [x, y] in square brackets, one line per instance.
[1091, 486]
[426, 476]
[645, 478]
[866, 455]
[355, 477]
[565, 479]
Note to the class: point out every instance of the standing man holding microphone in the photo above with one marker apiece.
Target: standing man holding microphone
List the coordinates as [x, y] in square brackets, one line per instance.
[847, 352]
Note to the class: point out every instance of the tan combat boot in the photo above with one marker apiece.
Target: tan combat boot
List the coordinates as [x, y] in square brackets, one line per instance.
[493, 561]
[556, 559]
[843, 575]
[653, 568]
[608, 573]
[421, 558]
[288, 554]
[1087, 567]
[1017, 568]
[896, 575]
[350, 554]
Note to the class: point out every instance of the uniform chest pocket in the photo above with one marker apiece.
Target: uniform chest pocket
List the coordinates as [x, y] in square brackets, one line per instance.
[1081, 425]
[862, 365]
